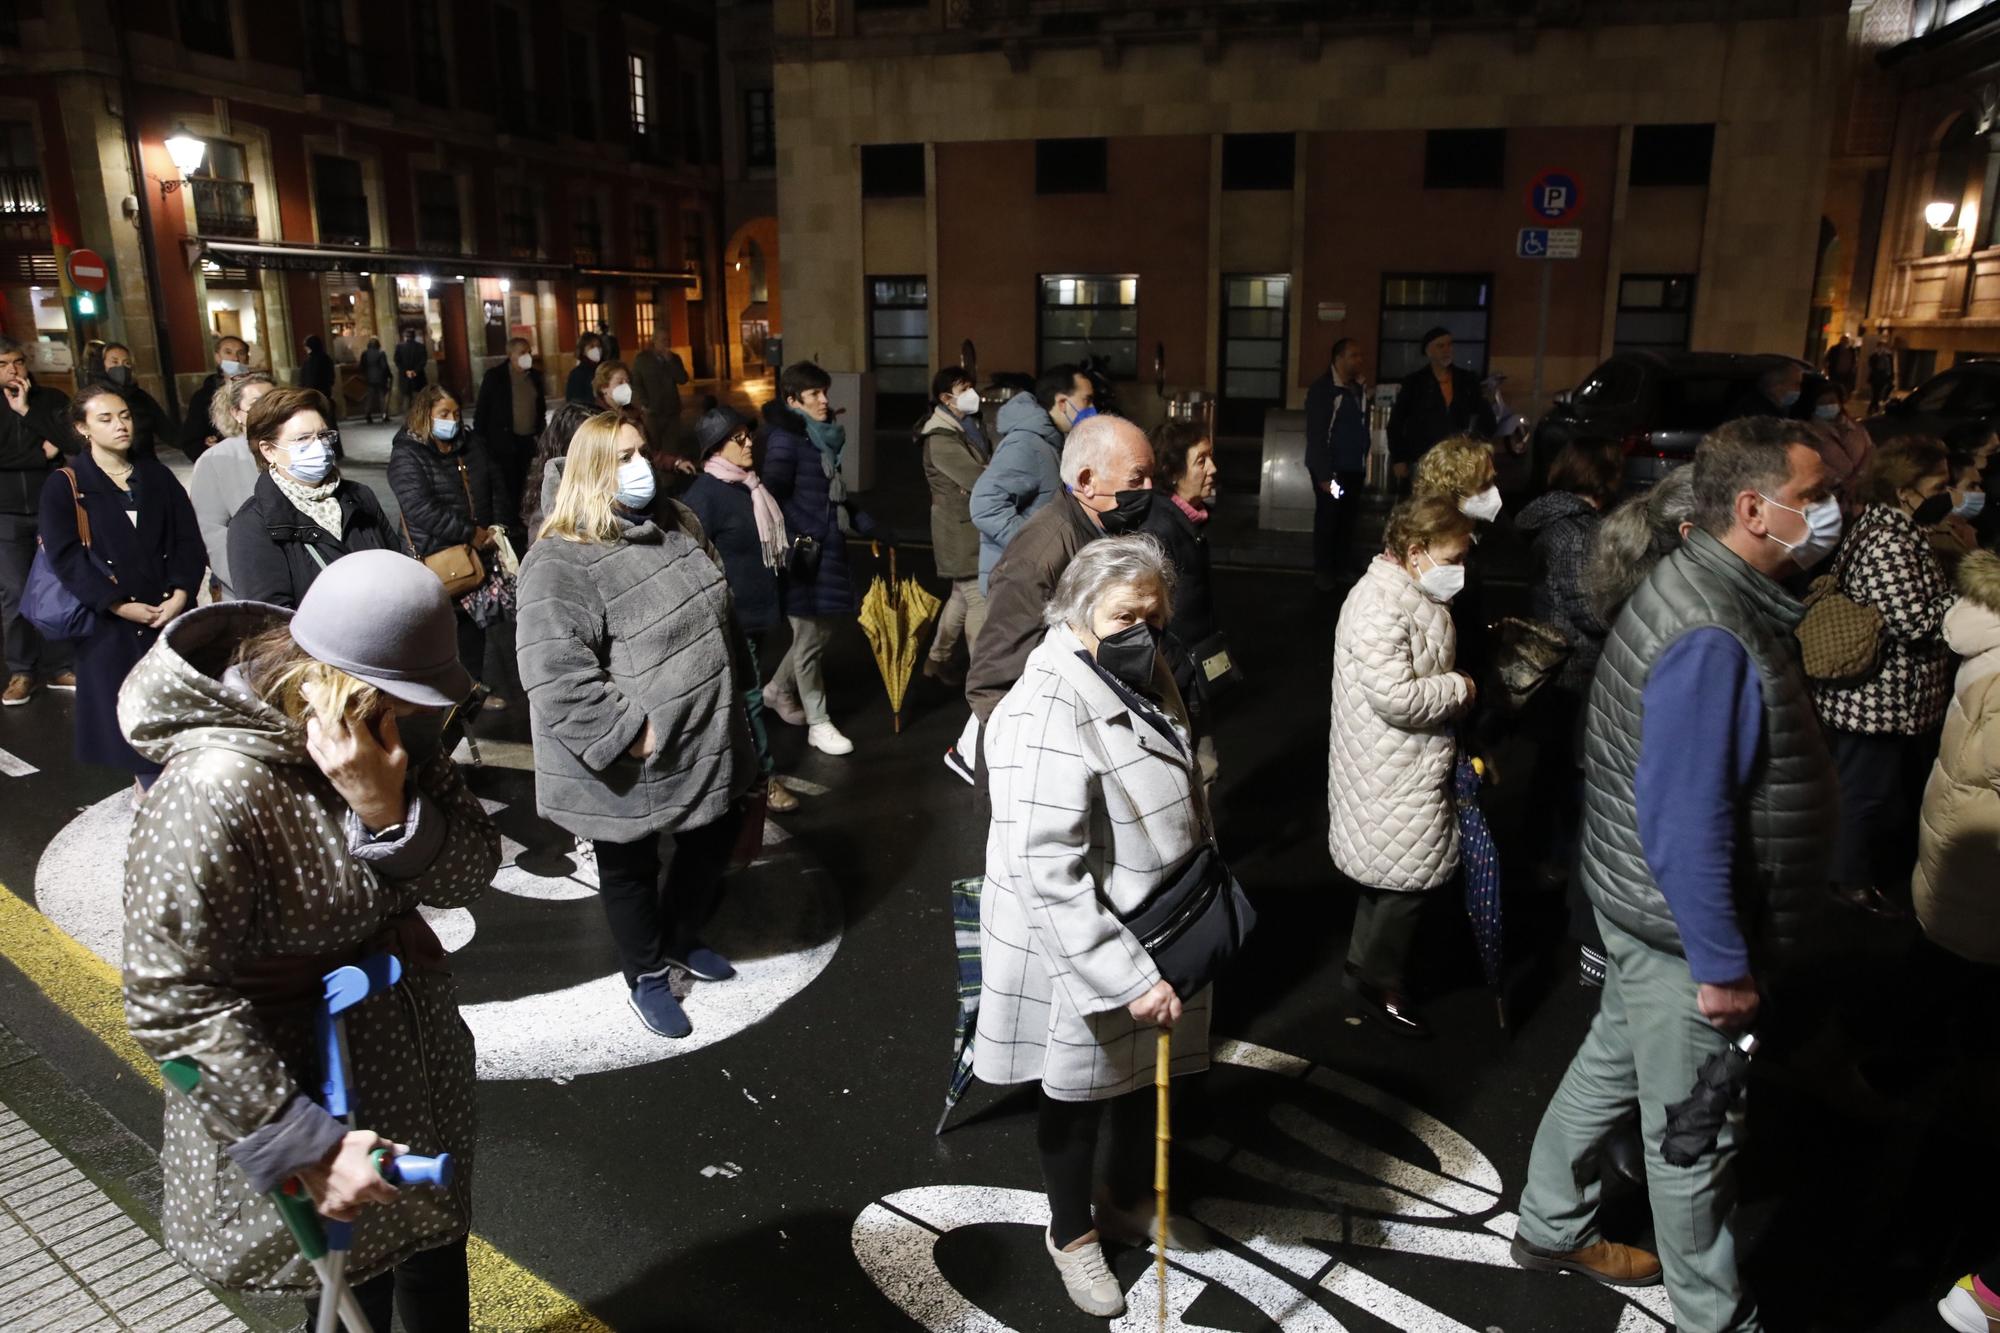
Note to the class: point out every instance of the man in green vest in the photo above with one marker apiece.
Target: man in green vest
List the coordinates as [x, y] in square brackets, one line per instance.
[1709, 792]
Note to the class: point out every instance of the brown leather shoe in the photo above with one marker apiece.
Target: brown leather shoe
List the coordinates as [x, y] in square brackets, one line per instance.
[62, 680]
[780, 799]
[18, 690]
[1605, 1261]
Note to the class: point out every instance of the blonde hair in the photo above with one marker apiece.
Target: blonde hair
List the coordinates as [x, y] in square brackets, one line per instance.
[1455, 467]
[228, 397]
[582, 511]
[294, 682]
[417, 421]
[1424, 521]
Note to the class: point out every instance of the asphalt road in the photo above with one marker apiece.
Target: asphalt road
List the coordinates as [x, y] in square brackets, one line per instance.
[780, 1170]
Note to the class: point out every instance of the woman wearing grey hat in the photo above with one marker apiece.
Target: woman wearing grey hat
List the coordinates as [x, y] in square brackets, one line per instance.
[636, 688]
[304, 815]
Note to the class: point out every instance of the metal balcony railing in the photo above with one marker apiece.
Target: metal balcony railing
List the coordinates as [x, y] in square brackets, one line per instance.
[21, 191]
[224, 208]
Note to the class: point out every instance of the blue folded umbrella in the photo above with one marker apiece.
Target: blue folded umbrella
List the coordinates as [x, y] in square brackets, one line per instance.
[965, 937]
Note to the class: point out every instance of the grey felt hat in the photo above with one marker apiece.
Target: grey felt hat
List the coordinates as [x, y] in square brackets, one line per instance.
[384, 618]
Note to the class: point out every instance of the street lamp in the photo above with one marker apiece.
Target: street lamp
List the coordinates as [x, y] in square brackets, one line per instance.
[187, 152]
[1938, 213]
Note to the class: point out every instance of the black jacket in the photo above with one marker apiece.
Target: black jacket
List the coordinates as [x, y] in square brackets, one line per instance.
[729, 517]
[316, 372]
[581, 378]
[24, 464]
[1193, 618]
[432, 490]
[195, 426]
[1337, 438]
[375, 367]
[493, 412]
[1421, 417]
[412, 364]
[272, 542]
[151, 427]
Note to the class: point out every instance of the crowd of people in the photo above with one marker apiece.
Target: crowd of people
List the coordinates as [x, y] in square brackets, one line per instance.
[1797, 634]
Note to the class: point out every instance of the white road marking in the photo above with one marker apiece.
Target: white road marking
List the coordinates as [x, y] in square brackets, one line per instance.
[16, 767]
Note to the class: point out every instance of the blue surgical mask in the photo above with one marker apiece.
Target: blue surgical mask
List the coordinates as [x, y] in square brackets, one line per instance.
[1827, 412]
[1085, 415]
[635, 483]
[443, 429]
[1823, 525]
[311, 460]
[1788, 398]
[230, 369]
[1970, 505]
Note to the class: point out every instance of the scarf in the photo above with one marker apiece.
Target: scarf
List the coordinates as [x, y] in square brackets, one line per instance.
[770, 518]
[1196, 513]
[319, 503]
[830, 438]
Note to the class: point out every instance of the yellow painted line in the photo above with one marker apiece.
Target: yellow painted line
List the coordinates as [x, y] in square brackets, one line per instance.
[506, 1298]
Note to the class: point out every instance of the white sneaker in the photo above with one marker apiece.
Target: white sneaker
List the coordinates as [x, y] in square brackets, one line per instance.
[826, 738]
[786, 706]
[1087, 1278]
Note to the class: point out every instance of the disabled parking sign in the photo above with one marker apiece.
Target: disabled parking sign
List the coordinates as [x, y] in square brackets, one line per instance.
[1553, 196]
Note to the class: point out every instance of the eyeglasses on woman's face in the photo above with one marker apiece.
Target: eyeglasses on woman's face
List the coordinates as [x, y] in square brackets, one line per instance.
[329, 438]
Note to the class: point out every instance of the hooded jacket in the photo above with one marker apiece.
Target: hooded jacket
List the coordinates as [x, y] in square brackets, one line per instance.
[1024, 474]
[1561, 527]
[953, 465]
[244, 853]
[1957, 883]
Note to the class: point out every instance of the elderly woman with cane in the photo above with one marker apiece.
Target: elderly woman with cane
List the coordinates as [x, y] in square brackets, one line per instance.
[1097, 803]
[305, 813]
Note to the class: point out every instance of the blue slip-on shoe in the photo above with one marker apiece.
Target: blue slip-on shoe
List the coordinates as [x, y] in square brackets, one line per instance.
[702, 963]
[657, 1008]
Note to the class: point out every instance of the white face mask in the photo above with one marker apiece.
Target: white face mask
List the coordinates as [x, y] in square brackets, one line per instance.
[443, 428]
[594, 354]
[1971, 505]
[967, 402]
[1441, 583]
[1484, 506]
[635, 483]
[620, 394]
[525, 361]
[230, 369]
[1823, 523]
[310, 461]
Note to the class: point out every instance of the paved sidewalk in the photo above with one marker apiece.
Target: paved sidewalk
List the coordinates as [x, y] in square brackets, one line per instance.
[72, 1261]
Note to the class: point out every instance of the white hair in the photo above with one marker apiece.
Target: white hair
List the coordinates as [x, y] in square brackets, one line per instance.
[1109, 562]
[1091, 443]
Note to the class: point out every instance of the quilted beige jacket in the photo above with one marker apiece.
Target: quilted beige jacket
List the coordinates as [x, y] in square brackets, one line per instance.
[1391, 823]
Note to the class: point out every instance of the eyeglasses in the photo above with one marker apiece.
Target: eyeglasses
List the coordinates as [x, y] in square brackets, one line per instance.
[329, 438]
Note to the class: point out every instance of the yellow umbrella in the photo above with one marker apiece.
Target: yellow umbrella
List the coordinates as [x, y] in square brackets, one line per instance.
[893, 616]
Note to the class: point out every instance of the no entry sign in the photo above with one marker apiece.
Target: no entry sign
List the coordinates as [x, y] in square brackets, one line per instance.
[88, 270]
[1553, 196]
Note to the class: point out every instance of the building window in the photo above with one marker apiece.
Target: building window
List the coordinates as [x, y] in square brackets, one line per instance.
[582, 85]
[642, 92]
[1070, 166]
[1671, 154]
[22, 196]
[339, 201]
[899, 335]
[586, 228]
[438, 226]
[646, 236]
[760, 132]
[1257, 161]
[205, 27]
[513, 100]
[1653, 312]
[892, 171]
[331, 65]
[642, 315]
[694, 241]
[589, 311]
[694, 115]
[1254, 328]
[224, 202]
[427, 53]
[1091, 315]
[1413, 303]
[1464, 159]
[520, 226]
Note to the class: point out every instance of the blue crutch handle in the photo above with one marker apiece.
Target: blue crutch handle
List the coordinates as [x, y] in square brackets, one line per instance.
[345, 988]
[414, 1168]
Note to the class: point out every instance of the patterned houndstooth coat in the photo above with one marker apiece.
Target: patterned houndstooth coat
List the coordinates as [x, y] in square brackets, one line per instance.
[1092, 807]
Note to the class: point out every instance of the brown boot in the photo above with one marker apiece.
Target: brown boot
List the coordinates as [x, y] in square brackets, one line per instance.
[19, 688]
[1603, 1261]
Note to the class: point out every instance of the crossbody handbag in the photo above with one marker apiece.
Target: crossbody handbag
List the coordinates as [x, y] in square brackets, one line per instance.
[1195, 923]
[1839, 638]
[46, 600]
[458, 567]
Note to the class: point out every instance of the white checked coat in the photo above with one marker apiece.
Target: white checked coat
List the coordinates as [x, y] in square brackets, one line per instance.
[1092, 808]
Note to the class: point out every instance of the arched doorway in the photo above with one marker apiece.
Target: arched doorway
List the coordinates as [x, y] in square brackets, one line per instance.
[756, 317]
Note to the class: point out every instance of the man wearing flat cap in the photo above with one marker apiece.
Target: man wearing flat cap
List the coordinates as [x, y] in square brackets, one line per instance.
[1436, 400]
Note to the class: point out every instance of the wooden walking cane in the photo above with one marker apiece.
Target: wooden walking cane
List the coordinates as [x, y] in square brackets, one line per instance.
[1161, 1137]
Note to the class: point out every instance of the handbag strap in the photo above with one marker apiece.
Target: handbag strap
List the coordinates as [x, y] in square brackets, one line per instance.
[76, 499]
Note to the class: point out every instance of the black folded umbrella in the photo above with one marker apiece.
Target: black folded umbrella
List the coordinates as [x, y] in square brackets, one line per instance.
[1694, 1124]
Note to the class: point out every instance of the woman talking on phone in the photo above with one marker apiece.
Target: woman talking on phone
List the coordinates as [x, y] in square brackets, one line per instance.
[304, 815]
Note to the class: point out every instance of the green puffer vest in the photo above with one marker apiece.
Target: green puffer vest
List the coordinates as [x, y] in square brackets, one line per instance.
[1785, 817]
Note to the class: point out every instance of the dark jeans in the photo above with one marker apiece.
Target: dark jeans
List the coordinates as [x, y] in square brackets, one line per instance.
[28, 653]
[471, 645]
[429, 1291]
[1881, 789]
[514, 454]
[653, 922]
[1385, 927]
[1066, 1135]
[1333, 525]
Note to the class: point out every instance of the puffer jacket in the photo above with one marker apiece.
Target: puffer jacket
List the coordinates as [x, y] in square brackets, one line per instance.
[1886, 563]
[613, 635]
[1392, 824]
[1957, 883]
[1024, 475]
[1561, 527]
[796, 476]
[244, 853]
[445, 497]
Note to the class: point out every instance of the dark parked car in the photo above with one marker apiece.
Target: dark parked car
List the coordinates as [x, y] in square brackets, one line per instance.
[1656, 405]
[1969, 391]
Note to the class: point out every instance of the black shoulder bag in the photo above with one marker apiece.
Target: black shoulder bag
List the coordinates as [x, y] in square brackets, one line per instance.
[1195, 924]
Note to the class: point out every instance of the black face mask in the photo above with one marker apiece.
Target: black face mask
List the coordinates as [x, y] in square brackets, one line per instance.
[422, 735]
[1130, 515]
[119, 374]
[1129, 653]
[1932, 511]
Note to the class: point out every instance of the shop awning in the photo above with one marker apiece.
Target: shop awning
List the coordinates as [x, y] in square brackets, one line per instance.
[656, 277]
[303, 258]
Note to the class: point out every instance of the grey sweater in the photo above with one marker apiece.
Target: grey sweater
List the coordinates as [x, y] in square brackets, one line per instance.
[611, 635]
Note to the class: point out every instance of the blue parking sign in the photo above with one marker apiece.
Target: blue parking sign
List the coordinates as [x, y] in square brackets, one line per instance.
[1553, 196]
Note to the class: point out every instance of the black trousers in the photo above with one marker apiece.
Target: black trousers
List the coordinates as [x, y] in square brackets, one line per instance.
[651, 921]
[28, 653]
[429, 1292]
[1333, 525]
[471, 645]
[1066, 1135]
[514, 454]
[1385, 929]
[1881, 790]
